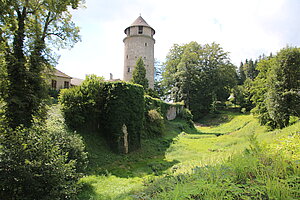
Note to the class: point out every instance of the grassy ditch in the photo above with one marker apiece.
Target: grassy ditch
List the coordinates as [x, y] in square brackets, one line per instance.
[229, 156]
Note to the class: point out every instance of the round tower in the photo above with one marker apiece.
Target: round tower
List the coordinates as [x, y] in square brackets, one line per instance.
[139, 42]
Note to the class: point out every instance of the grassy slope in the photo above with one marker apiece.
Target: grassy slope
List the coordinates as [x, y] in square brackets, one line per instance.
[113, 176]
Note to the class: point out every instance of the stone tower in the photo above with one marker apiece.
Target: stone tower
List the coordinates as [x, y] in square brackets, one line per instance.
[139, 42]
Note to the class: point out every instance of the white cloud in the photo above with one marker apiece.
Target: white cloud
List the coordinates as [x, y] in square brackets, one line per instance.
[246, 28]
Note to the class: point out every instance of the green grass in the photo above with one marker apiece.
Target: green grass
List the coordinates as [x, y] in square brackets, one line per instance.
[267, 169]
[207, 163]
[113, 176]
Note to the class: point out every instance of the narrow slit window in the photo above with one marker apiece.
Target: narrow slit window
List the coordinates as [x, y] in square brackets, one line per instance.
[146, 44]
[128, 70]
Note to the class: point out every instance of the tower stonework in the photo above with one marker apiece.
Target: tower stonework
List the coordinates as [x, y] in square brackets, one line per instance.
[139, 42]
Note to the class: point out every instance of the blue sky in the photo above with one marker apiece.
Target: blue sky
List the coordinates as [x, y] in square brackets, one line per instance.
[245, 28]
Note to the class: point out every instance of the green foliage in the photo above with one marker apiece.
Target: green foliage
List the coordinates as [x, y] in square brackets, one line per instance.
[37, 163]
[139, 74]
[199, 75]
[69, 142]
[81, 105]
[242, 95]
[161, 106]
[123, 107]
[109, 107]
[276, 89]
[28, 31]
[154, 124]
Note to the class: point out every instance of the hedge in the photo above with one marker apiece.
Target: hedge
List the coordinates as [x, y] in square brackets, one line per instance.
[114, 109]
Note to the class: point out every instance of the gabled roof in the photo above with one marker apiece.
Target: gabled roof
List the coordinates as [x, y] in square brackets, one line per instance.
[76, 81]
[58, 73]
[140, 22]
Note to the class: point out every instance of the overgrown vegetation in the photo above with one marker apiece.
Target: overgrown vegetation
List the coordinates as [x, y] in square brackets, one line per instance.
[41, 162]
[114, 109]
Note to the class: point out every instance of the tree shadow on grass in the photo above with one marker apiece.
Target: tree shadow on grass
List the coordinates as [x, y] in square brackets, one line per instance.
[150, 159]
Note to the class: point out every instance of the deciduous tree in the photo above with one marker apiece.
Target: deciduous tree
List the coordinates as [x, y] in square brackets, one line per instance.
[28, 31]
[199, 75]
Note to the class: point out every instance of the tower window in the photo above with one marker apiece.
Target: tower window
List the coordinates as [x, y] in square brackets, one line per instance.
[128, 69]
[140, 30]
[146, 44]
[127, 56]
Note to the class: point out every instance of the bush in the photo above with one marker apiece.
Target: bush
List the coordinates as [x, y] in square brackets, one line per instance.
[154, 124]
[186, 115]
[38, 164]
[81, 104]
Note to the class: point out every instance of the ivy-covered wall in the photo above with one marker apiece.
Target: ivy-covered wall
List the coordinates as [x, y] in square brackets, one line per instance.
[123, 115]
[162, 107]
[114, 109]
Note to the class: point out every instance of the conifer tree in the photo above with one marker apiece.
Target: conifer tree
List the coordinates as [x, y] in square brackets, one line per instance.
[139, 74]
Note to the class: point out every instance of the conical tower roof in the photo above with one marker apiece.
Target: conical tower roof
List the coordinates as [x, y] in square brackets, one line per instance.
[140, 22]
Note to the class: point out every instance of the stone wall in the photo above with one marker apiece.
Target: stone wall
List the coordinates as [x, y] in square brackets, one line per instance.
[173, 111]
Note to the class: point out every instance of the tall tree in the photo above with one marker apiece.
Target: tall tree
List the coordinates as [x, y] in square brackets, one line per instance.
[139, 74]
[276, 91]
[241, 74]
[201, 74]
[170, 81]
[28, 31]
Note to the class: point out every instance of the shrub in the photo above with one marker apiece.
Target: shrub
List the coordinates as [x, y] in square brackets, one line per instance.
[81, 104]
[186, 115]
[154, 124]
[36, 164]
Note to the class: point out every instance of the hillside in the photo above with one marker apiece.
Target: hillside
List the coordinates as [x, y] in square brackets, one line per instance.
[207, 163]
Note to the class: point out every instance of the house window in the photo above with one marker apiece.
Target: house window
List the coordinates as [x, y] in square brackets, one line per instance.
[53, 84]
[140, 30]
[66, 84]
